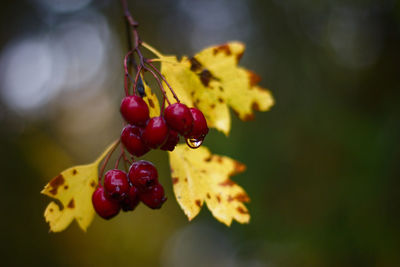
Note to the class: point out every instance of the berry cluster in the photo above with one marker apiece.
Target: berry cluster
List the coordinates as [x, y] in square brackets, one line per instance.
[125, 191]
[142, 133]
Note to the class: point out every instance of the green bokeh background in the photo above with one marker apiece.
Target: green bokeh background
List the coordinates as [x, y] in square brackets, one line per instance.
[322, 166]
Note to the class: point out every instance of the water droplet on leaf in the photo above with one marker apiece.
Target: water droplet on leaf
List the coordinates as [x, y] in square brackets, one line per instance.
[194, 143]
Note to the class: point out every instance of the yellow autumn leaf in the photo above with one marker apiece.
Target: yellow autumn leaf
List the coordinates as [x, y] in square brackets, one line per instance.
[199, 176]
[212, 81]
[151, 100]
[73, 188]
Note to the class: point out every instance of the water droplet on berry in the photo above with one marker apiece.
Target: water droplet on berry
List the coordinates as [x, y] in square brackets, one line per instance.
[194, 143]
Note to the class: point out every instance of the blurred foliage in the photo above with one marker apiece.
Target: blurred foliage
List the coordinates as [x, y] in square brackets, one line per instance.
[322, 164]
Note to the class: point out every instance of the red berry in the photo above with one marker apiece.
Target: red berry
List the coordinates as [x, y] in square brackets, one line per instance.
[155, 133]
[154, 198]
[134, 110]
[131, 138]
[143, 174]
[179, 118]
[200, 128]
[116, 184]
[172, 141]
[131, 200]
[104, 206]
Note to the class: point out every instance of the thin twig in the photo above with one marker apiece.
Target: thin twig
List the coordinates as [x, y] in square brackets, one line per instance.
[118, 160]
[137, 77]
[165, 80]
[159, 83]
[134, 47]
[103, 166]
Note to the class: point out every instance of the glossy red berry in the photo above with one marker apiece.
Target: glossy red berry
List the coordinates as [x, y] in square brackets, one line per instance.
[103, 205]
[179, 118]
[155, 133]
[134, 110]
[131, 200]
[143, 174]
[154, 198]
[116, 184]
[131, 139]
[172, 141]
[200, 128]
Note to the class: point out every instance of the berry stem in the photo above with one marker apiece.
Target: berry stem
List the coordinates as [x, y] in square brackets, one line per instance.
[134, 47]
[132, 23]
[126, 86]
[159, 83]
[126, 160]
[103, 166]
[133, 44]
[142, 64]
[163, 106]
[131, 79]
[131, 60]
[118, 160]
[137, 78]
[163, 78]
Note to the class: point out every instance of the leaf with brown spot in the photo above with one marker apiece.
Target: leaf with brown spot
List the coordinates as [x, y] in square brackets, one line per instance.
[71, 204]
[190, 164]
[198, 203]
[217, 80]
[242, 211]
[73, 188]
[242, 197]
[222, 48]
[55, 184]
[227, 182]
[194, 64]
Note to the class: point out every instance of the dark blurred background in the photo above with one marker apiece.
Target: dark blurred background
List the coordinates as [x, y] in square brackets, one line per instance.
[323, 164]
